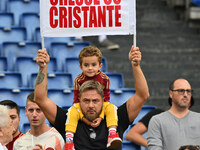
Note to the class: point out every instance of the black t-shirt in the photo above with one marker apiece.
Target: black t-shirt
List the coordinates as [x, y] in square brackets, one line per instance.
[89, 138]
[145, 120]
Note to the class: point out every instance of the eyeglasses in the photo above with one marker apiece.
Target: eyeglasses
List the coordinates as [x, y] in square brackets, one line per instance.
[182, 91]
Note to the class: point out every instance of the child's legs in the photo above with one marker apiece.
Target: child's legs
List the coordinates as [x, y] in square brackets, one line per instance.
[111, 115]
[73, 117]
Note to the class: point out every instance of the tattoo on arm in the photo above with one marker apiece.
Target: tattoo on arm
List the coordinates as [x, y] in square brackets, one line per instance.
[40, 78]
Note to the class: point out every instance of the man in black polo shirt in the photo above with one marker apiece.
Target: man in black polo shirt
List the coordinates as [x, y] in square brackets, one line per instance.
[86, 137]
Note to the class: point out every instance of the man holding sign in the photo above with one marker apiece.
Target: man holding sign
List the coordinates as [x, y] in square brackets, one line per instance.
[87, 137]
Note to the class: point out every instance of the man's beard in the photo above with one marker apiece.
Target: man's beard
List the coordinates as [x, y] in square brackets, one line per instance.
[93, 116]
[182, 104]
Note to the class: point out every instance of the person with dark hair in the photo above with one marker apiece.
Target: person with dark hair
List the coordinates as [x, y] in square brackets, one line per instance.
[189, 147]
[15, 117]
[177, 126]
[40, 136]
[171, 86]
[91, 102]
[136, 132]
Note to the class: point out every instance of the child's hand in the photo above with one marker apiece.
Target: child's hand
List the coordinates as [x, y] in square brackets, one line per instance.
[96, 122]
[86, 121]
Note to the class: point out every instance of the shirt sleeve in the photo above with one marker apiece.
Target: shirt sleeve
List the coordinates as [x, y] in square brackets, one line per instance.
[60, 143]
[154, 138]
[145, 120]
[123, 119]
[59, 124]
[76, 91]
[107, 91]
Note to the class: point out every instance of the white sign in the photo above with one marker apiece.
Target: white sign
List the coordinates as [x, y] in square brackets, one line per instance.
[67, 18]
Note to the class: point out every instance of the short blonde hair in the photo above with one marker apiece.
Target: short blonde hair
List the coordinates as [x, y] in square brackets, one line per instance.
[92, 85]
[4, 116]
[30, 98]
[90, 51]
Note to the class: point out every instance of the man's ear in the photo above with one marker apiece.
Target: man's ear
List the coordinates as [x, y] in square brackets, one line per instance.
[26, 110]
[170, 93]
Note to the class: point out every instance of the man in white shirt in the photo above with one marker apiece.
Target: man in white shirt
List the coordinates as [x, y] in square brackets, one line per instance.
[40, 135]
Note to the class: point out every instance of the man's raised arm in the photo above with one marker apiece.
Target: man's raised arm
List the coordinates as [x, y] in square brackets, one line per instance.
[48, 107]
[135, 103]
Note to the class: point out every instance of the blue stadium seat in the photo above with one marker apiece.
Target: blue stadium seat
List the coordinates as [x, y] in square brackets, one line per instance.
[18, 49]
[8, 34]
[66, 107]
[145, 109]
[18, 7]
[49, 40]
[23, 119]
[71, 65]
[116, 80]
[10, 80]
[120, 96]
[3, 64]
[127, 145]
[55, 80]
[27, 65]
[104, 65]
[31, 21]
[62, 98]
[17, 95]
[196, 2]
[3, 4]
[7, 19]
[62, 50]
[25, 127]
[22, 110]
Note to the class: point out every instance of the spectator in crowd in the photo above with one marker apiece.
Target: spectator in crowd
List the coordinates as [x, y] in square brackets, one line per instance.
[178, 126]
[15, 117]
[189, 147]
[40, 135]
[91, 101]
[6, 127]
[90, 59]
[136, 132]
[103, 42]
